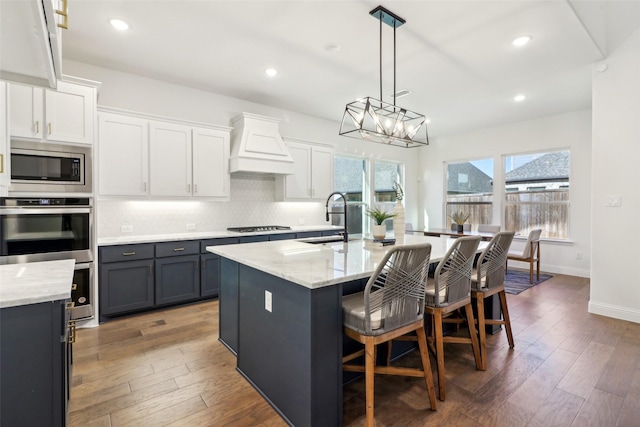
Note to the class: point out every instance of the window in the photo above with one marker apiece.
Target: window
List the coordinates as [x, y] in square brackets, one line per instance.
[364, 189]
[386, 174]
[350, 178]
[470, 191]
[537, 193]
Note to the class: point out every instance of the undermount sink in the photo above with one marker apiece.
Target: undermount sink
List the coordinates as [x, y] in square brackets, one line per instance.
[322, 240]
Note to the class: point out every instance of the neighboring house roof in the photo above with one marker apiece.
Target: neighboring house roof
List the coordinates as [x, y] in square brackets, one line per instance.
[465, 178]
[549, 167]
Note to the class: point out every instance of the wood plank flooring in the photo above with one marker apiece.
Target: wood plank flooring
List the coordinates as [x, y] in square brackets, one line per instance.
[568, 368]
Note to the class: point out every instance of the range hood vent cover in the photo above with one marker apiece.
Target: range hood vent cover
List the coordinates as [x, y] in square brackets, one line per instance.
[256, 146]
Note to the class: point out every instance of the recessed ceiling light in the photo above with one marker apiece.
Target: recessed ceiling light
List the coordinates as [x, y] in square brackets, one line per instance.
[271, 72]
[332, 47]
[519, 98]
[119, 24]
[427, 120]
[521, 41]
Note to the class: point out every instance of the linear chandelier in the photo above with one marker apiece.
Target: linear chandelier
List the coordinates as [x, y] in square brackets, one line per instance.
[374, 120]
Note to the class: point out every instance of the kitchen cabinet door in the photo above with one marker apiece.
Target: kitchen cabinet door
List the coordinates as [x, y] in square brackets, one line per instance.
[69, 112]
[177, 279]
[123, 158]
[209, 275]
[5, 176]
[27, 111]
[126, 286]
[298, 185]
[321, 172]
[169, 159]
[210, 151]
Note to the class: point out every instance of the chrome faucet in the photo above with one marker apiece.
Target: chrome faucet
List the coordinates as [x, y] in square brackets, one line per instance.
[344, 212]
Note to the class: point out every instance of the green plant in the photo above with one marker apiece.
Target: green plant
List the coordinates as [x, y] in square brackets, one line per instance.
[397, 187]
[459, 217]
[379, 216]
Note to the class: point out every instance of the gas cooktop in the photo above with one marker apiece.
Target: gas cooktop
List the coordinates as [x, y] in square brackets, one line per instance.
[255, 228]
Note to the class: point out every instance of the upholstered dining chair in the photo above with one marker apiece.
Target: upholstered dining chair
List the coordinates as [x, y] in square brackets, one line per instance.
[487, 279]
[391, 305]
[488, 228]
[530, 253]
[448, 291]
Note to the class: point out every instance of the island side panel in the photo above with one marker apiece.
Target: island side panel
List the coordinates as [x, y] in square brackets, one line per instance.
[228, 300]
[292, 354]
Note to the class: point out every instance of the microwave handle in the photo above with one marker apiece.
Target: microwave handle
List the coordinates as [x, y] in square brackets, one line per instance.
[41, 211]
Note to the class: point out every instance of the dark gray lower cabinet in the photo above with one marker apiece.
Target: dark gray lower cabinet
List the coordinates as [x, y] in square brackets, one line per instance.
[177, 279]
[36, 365]
[138, 277]
[126, 286]
[209, 275]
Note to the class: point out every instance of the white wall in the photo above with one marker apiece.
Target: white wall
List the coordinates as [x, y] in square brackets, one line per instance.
[615, 285]
[569, 130]
[135, 93]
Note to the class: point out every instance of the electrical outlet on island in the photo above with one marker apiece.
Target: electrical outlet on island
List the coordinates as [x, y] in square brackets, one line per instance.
[191, 227]
[126, 229]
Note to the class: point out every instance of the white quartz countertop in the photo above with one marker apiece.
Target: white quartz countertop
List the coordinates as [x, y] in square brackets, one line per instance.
[315, 266]
[172, 237]
[35, 282]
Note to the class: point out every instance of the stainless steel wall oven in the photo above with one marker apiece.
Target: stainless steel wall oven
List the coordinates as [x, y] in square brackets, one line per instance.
[44, 229]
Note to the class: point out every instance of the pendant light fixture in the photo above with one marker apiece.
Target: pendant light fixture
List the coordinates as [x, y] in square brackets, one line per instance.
[374, 120]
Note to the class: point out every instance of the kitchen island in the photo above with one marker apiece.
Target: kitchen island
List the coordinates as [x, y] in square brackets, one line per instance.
[35, 348]
[281, 313]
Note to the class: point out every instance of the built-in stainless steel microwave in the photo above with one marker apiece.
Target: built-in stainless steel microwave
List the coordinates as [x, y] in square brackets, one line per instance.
[46, 168]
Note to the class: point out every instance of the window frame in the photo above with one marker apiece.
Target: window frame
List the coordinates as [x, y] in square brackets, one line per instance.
[564, 187]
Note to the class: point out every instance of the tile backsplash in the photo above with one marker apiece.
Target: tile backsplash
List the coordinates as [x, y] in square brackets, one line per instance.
[252, 203]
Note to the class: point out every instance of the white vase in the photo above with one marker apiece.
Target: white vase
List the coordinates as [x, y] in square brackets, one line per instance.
[398, 221]
[379, 231]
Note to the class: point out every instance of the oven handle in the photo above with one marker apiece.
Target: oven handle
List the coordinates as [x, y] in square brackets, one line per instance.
[40, 211]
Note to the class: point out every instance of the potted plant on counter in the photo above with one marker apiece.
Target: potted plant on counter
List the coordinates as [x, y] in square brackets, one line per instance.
[379, 216]
[460, 218]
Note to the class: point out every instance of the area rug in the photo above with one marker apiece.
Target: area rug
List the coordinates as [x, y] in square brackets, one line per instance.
[518, 281]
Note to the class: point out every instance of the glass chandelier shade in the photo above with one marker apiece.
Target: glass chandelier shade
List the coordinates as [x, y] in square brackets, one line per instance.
[374, 120]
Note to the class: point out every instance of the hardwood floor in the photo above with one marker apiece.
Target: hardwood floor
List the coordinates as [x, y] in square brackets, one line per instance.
[568, 368]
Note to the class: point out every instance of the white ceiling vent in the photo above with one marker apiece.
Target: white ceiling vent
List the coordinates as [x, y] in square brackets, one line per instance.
[256, 146]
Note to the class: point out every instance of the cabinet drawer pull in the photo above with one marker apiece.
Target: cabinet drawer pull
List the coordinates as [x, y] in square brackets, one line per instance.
[49, 129]
[195, 265]
[144, 187]
[37, 126]
[178, 249]
[72, 330]
[150, 270]
[64, 12]
[128, 253]
[204, 263]
[195, 188]
[1, 163]
[188, 188]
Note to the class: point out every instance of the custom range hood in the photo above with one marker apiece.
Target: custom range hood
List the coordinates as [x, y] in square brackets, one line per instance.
[256, 146]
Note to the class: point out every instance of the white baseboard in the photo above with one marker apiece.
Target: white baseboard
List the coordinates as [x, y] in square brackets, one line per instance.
[617, 312]
[553, 269]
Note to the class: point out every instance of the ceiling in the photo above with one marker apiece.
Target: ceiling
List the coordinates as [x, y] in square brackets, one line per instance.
[454, 56]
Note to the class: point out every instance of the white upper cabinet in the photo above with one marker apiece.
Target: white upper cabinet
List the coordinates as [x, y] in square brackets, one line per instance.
[170, 159]
[31, 41]
[65, 115]
[5, 178]
[123, 155]
[313, 173]
[161, 159]
[210, 163]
